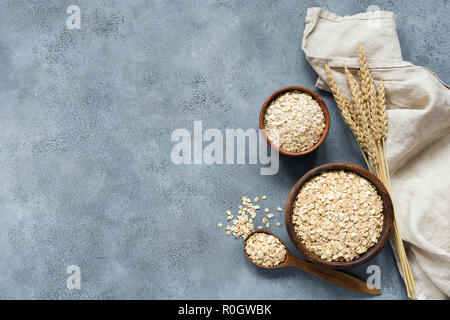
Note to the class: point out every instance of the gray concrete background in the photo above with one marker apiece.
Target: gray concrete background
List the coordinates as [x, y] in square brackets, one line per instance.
[86, 118]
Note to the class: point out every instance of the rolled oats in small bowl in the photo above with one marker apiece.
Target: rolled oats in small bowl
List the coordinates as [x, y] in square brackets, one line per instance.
[294, 120]
[337, 216]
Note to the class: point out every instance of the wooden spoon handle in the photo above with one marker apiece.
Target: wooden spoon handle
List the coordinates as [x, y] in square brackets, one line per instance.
[336, 277]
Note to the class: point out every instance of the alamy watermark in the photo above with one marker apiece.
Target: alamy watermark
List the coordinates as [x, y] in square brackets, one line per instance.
[234, 146]
[74, 20]
[374, 280]
[375, 22]
[74, 280]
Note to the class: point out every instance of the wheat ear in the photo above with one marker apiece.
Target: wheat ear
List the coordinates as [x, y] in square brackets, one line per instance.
[345, 106]
[370, 93]
[342, 102]
[358, 102]
[383, 123]
[362, 117]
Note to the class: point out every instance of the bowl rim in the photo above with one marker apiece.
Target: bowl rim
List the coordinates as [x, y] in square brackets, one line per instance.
[316, 97]
[388, 212]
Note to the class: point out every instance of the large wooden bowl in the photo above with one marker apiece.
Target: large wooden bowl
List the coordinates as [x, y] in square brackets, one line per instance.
[388, 212]
[315, 97]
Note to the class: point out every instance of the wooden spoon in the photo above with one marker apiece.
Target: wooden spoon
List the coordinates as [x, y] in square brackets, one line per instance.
[336, 277]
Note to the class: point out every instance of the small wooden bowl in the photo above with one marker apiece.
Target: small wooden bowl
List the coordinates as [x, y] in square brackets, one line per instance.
[322, 105]
[388, 212]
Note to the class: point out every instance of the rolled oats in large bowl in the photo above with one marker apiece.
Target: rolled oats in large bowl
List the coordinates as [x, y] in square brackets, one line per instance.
[338, 215]
[294, 121]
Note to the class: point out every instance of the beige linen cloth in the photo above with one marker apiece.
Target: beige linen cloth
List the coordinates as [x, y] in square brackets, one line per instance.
[418, 144]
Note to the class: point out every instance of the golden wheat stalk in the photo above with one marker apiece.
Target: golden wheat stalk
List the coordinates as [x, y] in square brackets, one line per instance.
[383, 126]
[362, 116]
[382, 117]
[345, 106]
[367, 119]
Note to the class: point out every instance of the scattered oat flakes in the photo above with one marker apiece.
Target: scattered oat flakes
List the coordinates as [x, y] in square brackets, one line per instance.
[278, 224]
[243, 221]
[265, 249]
[220, 225]
[279, 209]
[267, 225]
